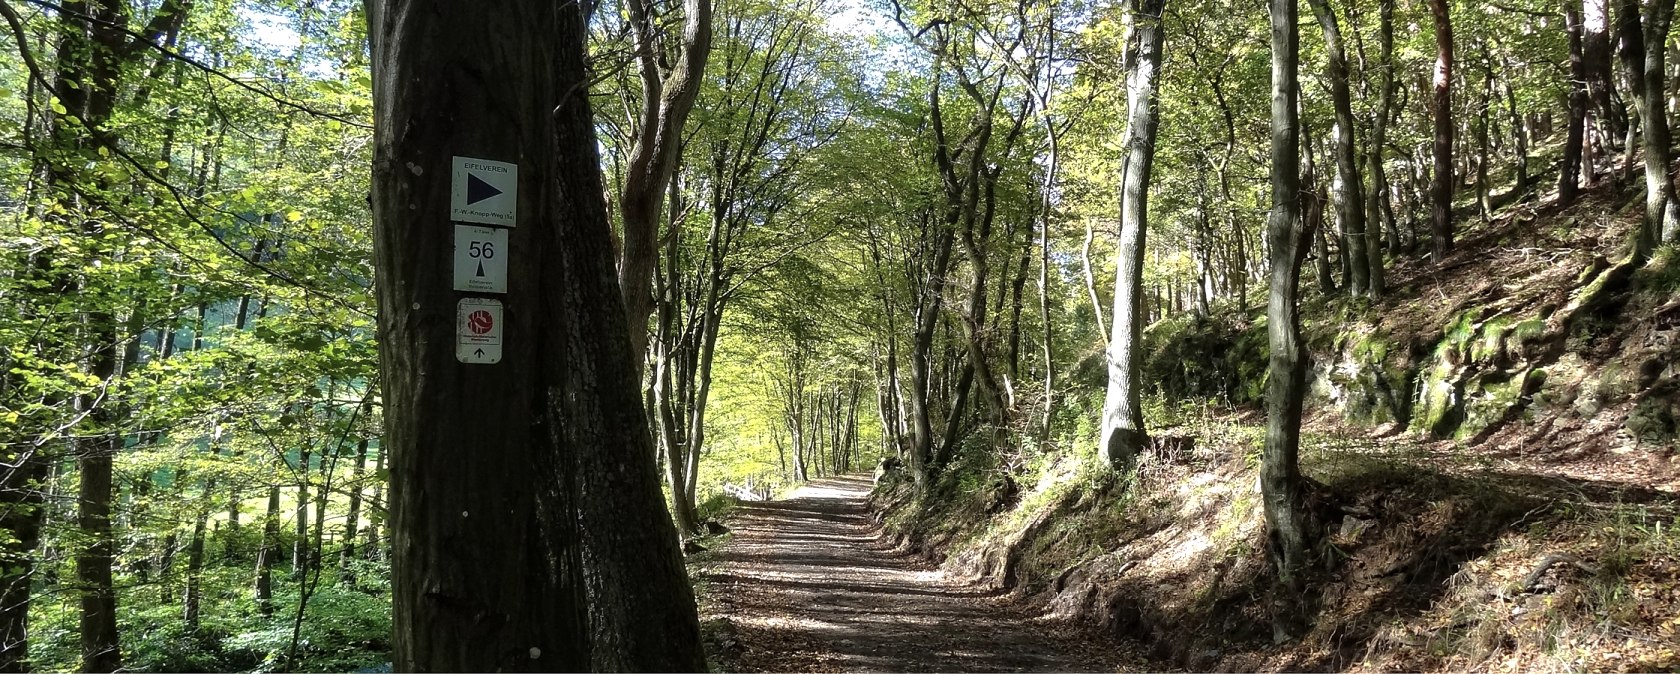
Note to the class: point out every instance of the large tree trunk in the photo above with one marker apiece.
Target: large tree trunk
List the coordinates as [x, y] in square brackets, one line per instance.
[1441, 189]
[486, 565]
[561, 500]
[1350, 194]
[1123, 434]
[1280, 475]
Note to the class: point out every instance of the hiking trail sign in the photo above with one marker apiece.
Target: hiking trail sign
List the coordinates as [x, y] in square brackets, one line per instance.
[481, 259]
[484, 191]
[478, 331]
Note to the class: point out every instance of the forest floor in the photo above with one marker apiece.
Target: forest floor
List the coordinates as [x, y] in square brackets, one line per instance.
[809, 583]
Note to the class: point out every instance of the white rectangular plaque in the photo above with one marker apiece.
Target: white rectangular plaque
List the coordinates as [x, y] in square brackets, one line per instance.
[484, 191]
[481, 255]
[478, 331]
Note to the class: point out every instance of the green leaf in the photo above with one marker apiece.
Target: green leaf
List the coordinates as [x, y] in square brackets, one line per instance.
[58, 107]
[294, 216]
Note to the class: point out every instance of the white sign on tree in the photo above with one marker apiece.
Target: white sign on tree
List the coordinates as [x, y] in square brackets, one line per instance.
[478, 331]
[484, 191]
[481, 259]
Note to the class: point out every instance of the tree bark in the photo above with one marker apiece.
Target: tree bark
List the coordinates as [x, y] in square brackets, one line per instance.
[486, 562]
[1662, 211]
[264, 591]
[1280, 477]
[353, 518]
[1569, 176]
[1441, 189]
[667, 99]
[1376, 171]
[1350, 194]
[561, 500]
[1123, 433]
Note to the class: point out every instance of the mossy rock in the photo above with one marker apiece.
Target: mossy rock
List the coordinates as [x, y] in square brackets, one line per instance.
[1656, 418]
[1493, 398]
[1440, 408]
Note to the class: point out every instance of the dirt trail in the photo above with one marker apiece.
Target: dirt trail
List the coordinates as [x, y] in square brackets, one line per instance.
[809, 584]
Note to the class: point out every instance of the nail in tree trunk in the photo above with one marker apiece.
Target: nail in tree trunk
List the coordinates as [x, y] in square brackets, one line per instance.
[1280, 475]
[1441, 189]
[1123, 434]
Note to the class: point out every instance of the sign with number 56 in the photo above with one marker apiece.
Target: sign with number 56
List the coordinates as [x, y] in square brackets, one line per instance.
[481, 259]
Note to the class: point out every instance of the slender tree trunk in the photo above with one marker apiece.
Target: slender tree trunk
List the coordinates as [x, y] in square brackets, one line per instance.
[1280, 476]
[1376, 171]
[668, 95]
[1484, 115]
[1662, 211]
[1350, 195]
[374, 548]
[1123, 434]
[353, 518]
[265, 558]
[300, 515]
[1519, 137]
[1569, 177]
[1441, 190]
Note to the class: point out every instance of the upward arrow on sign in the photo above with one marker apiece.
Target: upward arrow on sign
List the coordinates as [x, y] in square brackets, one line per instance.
[478, 190]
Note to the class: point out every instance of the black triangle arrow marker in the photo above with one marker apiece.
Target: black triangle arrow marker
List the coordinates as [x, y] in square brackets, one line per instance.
[478, 352]
[481, 269]
[478, 190]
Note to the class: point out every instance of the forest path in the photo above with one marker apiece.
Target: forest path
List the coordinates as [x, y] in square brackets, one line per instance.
[809, 583]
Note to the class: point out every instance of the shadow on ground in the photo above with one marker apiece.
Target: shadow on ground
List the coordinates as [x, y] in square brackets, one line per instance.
[810, 584]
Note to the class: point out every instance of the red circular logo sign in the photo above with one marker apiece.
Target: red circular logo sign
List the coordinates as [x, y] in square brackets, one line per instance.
[480, 322]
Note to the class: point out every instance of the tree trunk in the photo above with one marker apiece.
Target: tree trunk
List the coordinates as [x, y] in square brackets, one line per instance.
[1377, 173]
[353, 518]
[1123, 434]
[1441, 190]
[265, 558]
[485, 560]
[22, 509]
[667, 99]
[1569, 176]
[1662, 211]
[374, 549]
[561, 501]
[1350, 195]
[1280, 477]
[300, 515]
